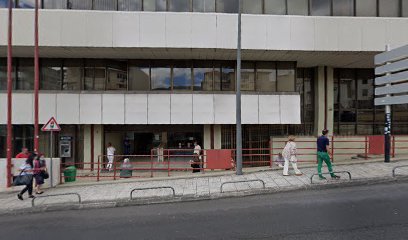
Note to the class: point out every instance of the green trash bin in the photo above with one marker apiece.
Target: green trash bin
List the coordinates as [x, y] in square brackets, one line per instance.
[70, 174]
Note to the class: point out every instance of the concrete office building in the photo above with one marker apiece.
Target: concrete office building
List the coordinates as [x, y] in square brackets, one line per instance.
[164, 71]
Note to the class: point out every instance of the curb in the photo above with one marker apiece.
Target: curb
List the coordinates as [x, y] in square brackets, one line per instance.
[192, 198]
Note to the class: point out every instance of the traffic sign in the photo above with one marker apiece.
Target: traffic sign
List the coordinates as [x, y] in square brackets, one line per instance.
[392, 76]
[51, 126]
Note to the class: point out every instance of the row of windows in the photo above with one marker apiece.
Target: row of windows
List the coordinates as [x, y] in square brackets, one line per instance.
[146, 75]
[381, 8]
[354, 110]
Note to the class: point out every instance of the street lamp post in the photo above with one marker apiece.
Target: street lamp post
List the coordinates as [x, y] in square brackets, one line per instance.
[238, 150]
[36, 78]
[9, 92]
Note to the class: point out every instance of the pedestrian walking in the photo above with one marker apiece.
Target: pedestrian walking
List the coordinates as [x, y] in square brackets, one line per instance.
[289, 154]
[26, 169]
[323, 149]
[126, 169]
[110, 152]
[40, 173]
[23, 154]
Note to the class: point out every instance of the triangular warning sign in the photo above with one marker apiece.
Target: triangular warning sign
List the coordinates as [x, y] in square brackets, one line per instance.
[51, 125]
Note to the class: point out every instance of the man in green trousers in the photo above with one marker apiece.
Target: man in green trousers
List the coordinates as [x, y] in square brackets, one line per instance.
[323, 149]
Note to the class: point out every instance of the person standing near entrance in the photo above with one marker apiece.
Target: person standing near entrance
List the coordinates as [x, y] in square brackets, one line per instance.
[196, 158]
[24, 153]
[110, 152]
[323, 149]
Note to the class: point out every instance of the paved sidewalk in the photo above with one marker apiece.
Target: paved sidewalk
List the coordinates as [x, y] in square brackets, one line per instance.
[195, 188]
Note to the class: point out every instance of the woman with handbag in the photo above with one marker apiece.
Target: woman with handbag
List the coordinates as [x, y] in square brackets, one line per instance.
[39, 173]
[26, 169]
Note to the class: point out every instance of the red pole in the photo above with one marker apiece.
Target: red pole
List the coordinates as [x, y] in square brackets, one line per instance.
[9, 92]
[36, 78]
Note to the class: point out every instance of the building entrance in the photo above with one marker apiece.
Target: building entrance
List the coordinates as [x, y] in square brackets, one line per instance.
[141, 139]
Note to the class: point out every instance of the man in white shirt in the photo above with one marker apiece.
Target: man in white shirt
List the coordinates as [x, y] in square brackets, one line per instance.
[110, 152]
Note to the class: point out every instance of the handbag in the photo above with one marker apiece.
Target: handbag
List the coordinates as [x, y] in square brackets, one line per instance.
[22, 179]
[45, 174]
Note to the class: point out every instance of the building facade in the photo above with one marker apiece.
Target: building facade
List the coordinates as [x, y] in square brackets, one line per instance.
[164, 71]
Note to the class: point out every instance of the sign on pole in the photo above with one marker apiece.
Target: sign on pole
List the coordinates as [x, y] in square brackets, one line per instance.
[391, 86]
[51, 126]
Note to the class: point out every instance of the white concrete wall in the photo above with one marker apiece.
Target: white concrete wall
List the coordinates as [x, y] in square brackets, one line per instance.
[123, 108]
[56, 162]
[62, 28]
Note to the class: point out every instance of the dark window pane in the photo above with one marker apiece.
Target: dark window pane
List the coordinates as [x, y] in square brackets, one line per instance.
[155, 5]
[203, 76]
[365, 129]
[252, 7]
[366, 8]
[227, 6]
[204, 5]
[3, 3]
[248, 77]
[94, 75]
[80, 4]
[286, 77]
[160, 76]
[117, 75]
[105, 5]
[343, 8]
[276, 7]
[179, 5]
[320, 7]
[25, 74]
[365, 87]
[139, 76]
[130, 5]
[404, 8]
[72, 74]
[55, 4]
[3, 74]
[182, 79]
[228, 77]
[28, 4]
[266, 77]
[298, 7]
[51, 74]
[389, 8]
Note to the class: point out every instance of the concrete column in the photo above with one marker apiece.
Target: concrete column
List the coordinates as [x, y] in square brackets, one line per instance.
[99, 148]
[87, 145]
[207, 137]
[217, 136]
[324, 102]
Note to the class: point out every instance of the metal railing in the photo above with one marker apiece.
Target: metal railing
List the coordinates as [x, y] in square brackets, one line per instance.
[397, 167]
[242, 181]
[151, 188]
[56, 195]
[316, 174]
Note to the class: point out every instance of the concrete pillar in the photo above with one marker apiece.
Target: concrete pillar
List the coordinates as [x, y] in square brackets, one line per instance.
[207, 137]
[99, 148]
[87, 145]
[324, 101]
[217, 136]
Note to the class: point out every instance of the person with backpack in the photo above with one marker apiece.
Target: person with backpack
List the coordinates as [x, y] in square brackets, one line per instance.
[323, 149]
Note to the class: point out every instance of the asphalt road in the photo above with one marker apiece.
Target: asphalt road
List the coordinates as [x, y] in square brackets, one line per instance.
[368, 212]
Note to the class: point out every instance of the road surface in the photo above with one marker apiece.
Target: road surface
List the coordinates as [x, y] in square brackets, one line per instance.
[365, 212]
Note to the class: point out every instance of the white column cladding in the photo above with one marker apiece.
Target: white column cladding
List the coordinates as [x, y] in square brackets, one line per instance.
[128, 108]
